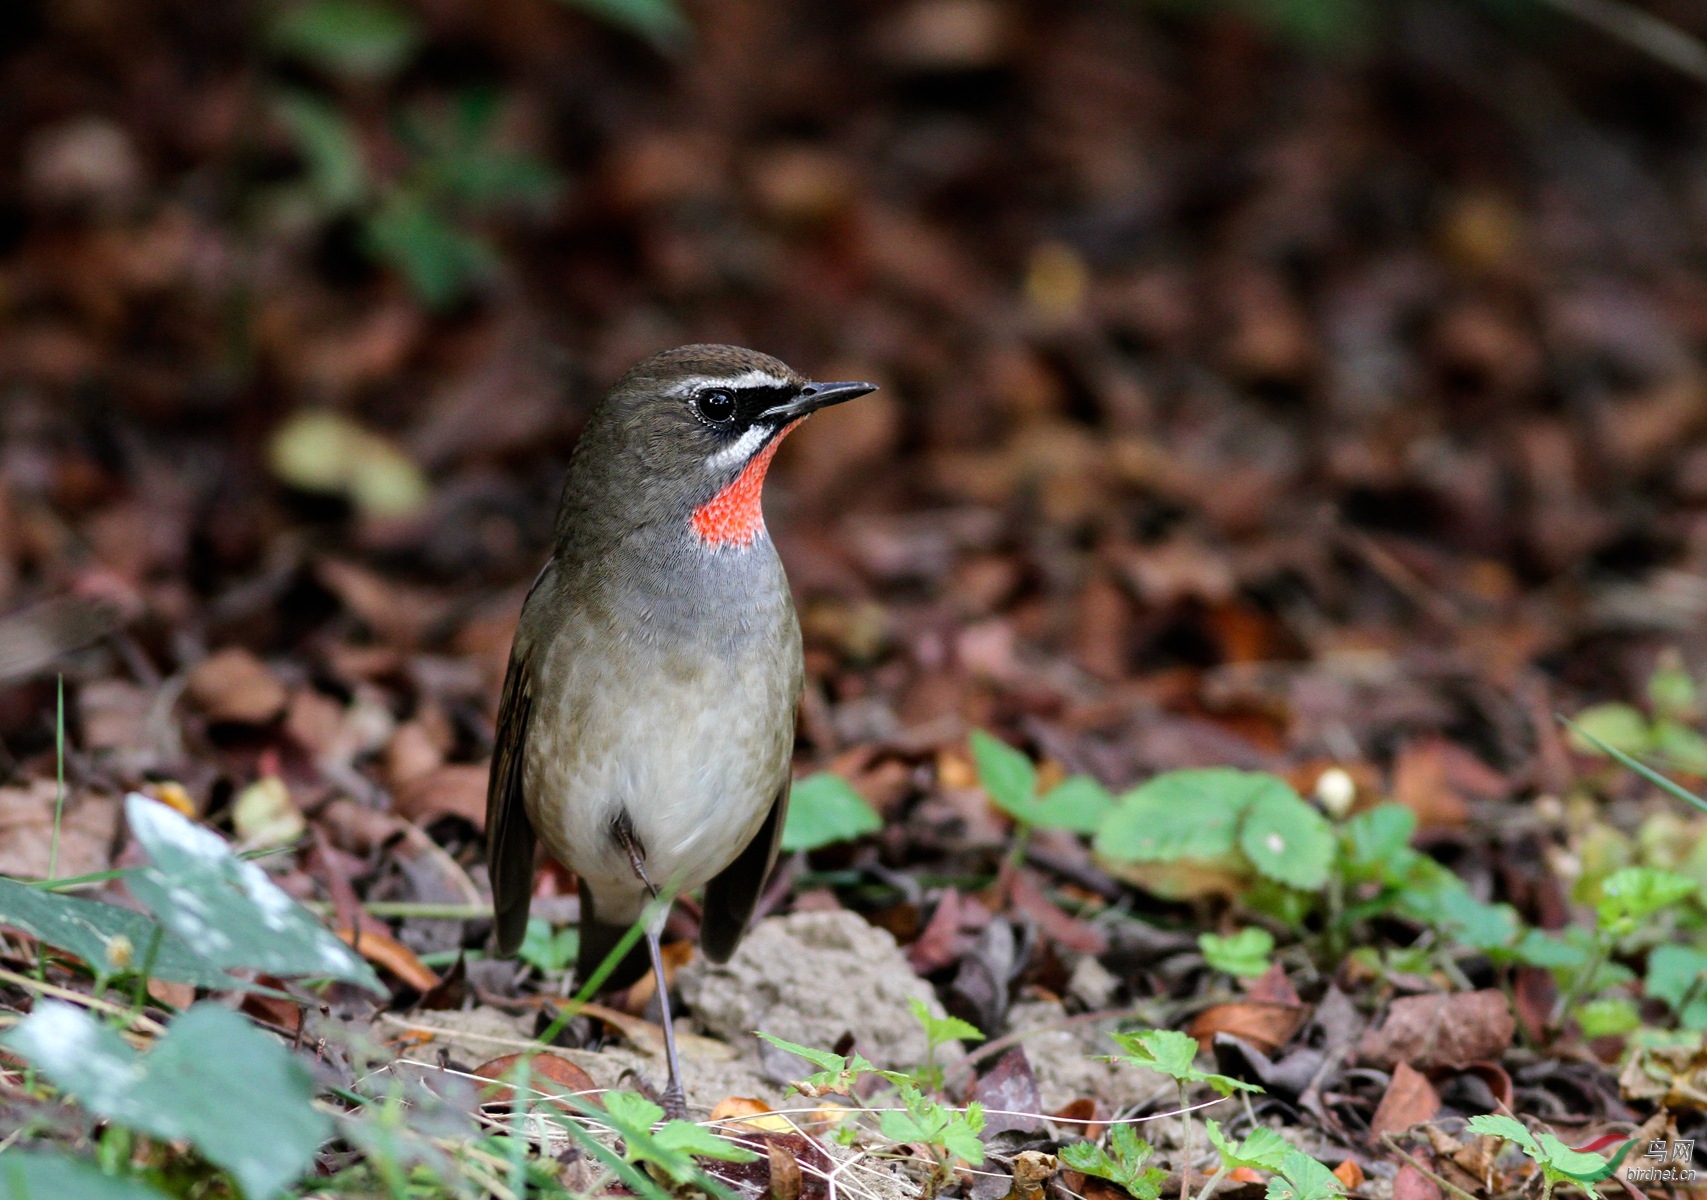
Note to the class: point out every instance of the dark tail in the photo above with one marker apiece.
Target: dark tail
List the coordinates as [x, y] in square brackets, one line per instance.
[597, 942]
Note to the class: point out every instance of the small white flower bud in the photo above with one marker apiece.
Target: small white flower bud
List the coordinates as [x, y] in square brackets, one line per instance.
[1337, 791]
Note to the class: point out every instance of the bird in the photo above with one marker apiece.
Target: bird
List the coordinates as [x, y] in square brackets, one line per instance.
[646, 725]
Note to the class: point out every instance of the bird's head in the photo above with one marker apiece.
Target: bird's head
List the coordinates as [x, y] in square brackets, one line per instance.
[688, 434]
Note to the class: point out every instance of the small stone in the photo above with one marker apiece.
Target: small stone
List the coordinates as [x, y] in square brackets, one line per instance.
[1092, 984]
[811, 978]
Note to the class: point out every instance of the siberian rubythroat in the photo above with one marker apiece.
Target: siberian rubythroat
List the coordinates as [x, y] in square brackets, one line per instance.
[647, 719]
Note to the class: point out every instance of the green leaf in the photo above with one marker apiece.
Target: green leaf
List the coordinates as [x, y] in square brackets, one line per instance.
[546, 949]
[1179, 815]
[943, 1029]
[926, 1121]
[1605, 727]
[1172, 1053]
[318, 450]
[40, 1175]
[1006, 774]
[1672, 692]
[1079, 804]
[227, 910]
[1303, 1178]
[1558, 1159]
[1262, 1150]
[631, 1113]
[658, 21]
[824, 809]
[1375, 841]
[1465, 919]
[1632, 895]
[213, 1080]
[440, 261]
[687, 1138]
[1285, 838]
[112, 940]
[330, 151]
[1678, 976]
[1682, 748]
[837, 1073]
[1613, 1016]
[1124, 1167]
[1245, 953]
[362, 39]
[1509, 1128]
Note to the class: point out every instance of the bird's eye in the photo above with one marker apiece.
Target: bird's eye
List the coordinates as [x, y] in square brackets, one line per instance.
[716, 404]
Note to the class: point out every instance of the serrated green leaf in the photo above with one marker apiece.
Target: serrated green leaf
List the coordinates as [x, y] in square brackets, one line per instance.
[838, 1072]
[1512, 1130]
[360, 38]
[1559, 1159]
[1245, 953]
[1006, 774]
[942, 1029]
[1285, 838]
[1263, 1149]
[824, 809]
[921, 1119]
[225, 909]
[213, 1080]
[546, 949]
[687, 1138]
[1632, 895]
[1303, 1178]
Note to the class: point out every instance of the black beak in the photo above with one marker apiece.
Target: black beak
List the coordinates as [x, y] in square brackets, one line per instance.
[814, 396]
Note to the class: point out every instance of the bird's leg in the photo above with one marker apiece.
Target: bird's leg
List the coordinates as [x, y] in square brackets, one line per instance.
[675, 1099]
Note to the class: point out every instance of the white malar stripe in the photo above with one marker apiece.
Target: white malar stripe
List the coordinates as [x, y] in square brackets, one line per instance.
[746, 379]
[741, 449]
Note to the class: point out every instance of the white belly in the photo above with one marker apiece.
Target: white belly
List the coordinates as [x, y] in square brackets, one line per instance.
[694, 755]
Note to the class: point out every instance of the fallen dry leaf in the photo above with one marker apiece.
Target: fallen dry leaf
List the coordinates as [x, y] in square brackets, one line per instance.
[234, 686]
[86, 831]
[1412, 1184]
[1349, 1174]
[549, 1074]
[1265, 1026]
[383, 950]
[455, 789]
[749, 1111]
[1410, 1099]
[1450, 1030]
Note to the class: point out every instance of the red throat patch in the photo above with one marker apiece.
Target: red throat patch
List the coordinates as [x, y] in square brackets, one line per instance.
[733, 517]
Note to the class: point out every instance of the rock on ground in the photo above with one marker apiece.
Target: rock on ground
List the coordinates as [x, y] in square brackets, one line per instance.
[812, 977]
[1068, 1061]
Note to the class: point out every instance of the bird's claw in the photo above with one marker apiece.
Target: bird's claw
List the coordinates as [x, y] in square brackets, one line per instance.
[675, 1102]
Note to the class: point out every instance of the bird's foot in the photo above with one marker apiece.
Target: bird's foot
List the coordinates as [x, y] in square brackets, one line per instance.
[675, 1102]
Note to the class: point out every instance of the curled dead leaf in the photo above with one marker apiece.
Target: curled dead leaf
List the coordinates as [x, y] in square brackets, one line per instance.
[1410, 1100]
[551, 1075]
